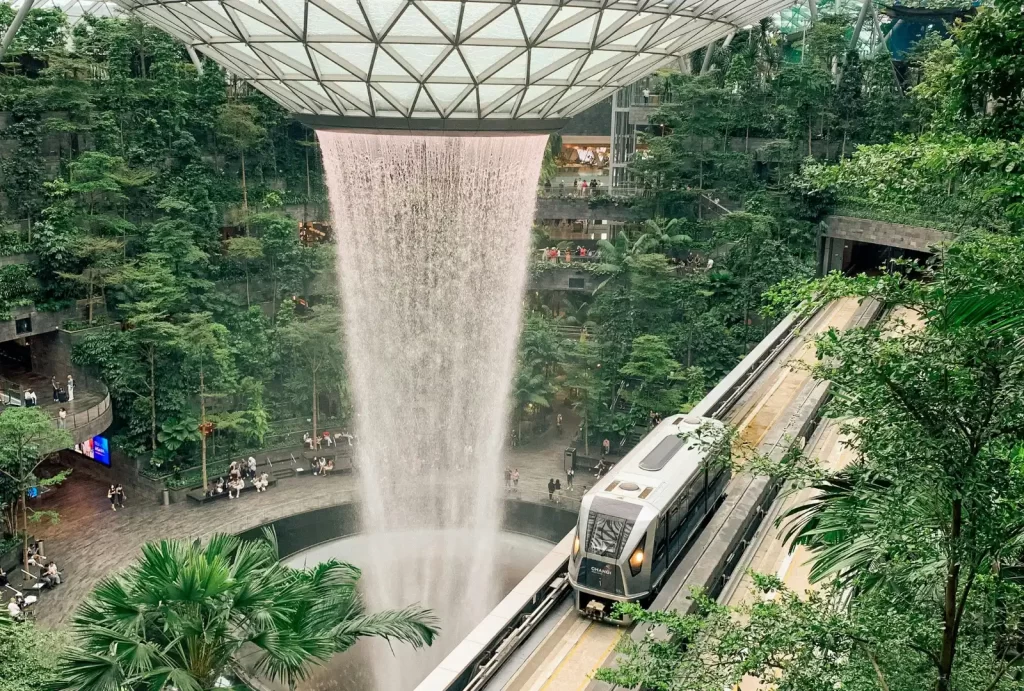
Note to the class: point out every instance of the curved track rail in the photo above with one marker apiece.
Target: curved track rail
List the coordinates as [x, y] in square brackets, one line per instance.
[771, 398]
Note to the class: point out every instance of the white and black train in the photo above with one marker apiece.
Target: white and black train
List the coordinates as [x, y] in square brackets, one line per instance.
[638, 519]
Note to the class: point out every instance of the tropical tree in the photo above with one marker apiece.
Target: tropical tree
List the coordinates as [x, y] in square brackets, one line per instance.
[27, 437]
[183, 616]
[239, 124]
[315, 345]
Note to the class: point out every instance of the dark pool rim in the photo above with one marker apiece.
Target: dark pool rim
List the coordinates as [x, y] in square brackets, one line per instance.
[303, 531]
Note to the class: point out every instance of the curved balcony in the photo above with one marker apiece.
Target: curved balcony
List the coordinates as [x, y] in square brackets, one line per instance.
[88, 415]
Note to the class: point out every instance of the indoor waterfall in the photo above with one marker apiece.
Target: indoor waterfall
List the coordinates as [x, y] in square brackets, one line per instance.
[433, 236]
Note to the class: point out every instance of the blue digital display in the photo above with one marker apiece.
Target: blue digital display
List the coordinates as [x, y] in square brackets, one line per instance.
[101, 450]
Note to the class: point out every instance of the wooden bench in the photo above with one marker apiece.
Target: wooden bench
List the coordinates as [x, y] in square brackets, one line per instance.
[201, 497]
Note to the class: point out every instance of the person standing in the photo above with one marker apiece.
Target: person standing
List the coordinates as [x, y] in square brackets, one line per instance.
[56, 389]
[606, 447]
[515, 479]
[252, 467]
[62, 419]
[71, 388]
[568, 477]
[558, 423]
[647, 96]
[120, 496]
[551, 489]
[508, 477]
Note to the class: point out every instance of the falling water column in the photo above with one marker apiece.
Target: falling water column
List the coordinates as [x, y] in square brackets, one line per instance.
[433, 235]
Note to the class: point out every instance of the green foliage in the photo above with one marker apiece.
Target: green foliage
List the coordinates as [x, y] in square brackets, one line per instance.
[27, 437]
[182, 615]
[26, 650]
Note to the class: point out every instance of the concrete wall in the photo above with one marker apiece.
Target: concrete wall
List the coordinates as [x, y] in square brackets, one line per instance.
[580, 209]
[914, 238]
[42, 322]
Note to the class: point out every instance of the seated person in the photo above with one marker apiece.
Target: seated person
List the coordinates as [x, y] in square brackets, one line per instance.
[261, 482]
[4, 581]
[218, 487]
[234, 470]
[327, 467]
[235, 486]
[328, 439]
[51, 577]
[16, 607]
[307, 439]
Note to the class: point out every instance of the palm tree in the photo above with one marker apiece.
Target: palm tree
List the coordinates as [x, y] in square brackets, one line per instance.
[180, 617]
[664, 235]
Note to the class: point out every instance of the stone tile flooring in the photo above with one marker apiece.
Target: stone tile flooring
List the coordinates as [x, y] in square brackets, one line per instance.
[91, 541]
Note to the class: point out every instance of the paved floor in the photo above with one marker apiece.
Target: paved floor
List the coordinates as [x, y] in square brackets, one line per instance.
[91, 541]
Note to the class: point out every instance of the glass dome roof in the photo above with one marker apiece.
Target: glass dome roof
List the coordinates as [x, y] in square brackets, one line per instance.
[460, 64]
[75, 9]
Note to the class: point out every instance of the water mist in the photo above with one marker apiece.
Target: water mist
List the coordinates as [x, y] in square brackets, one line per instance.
[433, 236]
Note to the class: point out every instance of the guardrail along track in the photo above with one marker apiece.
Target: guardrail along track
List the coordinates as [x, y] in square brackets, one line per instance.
[772, 399]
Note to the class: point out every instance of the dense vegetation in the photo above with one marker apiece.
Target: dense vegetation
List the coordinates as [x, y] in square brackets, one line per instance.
[155, 193]
[916, 546]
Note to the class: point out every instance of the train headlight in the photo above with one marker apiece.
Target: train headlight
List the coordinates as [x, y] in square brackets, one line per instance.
[636, 560]
[576, 545]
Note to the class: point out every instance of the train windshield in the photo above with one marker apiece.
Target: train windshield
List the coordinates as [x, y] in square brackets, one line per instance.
[606, 535]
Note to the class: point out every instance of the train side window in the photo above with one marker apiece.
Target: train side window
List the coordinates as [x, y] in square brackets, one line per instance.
[660, 539]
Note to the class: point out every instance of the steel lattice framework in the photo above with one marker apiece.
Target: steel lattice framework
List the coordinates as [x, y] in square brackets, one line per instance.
[458, 64]
[76, 9]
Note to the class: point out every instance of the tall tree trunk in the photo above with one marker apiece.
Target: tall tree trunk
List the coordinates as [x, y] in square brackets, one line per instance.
[202, 427]
[949, 605]
[314, 409]
[152, 398]
[245, 197]
[810, 151]
[248, 300]
[90, 303]
[24, 523]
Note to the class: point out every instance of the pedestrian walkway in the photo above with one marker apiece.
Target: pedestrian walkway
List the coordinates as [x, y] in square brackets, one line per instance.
[91, 542]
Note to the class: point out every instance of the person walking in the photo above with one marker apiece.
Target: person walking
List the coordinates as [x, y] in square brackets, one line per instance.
[112, 496]
[508, 477]
[71, 388]
[515, 480]
[120, 496]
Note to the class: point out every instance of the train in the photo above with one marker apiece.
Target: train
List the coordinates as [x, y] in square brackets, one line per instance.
[639, 518]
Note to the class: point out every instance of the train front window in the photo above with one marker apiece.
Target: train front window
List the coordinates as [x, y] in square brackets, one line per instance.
[606, 535]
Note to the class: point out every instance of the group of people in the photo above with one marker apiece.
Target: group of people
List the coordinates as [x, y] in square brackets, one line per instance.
[555, 255]
[326, 440]
[321, 465]
[512, 479]
[238, 473]
[63, 394]
[48, 577]
[580, 186]
[116, 496]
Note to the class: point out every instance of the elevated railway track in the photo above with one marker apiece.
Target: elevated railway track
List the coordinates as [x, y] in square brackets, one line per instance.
[535, 640]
